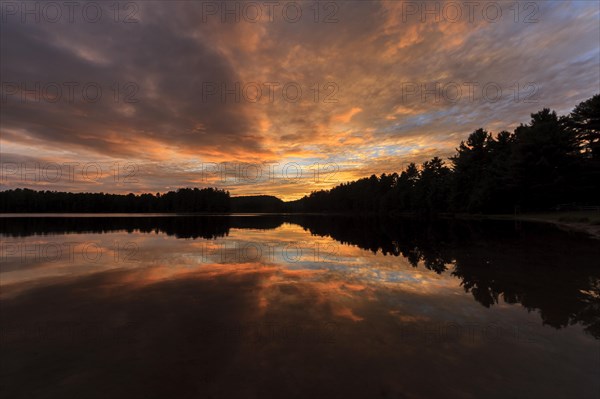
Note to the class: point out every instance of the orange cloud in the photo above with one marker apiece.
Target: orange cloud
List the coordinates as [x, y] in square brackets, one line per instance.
[347, 116]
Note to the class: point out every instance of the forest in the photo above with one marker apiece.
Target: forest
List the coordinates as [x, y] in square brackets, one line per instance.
[550, 163]
[182, 200]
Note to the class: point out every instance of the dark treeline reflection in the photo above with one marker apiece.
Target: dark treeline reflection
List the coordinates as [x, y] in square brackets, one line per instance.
[183, 226]
[538, 266]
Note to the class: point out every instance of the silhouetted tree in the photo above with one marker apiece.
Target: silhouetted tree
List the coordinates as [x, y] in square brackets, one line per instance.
[585, 121]
[545, 161]
[432, 188]
[470, 190]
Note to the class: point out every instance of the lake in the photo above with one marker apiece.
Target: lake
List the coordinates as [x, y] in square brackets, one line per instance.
[296, 306]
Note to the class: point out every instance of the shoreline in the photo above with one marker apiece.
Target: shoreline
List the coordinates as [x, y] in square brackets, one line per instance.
[587, 222]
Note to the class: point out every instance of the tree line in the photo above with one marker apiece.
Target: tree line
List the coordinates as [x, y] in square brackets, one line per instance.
[182, 200]
[548, 163]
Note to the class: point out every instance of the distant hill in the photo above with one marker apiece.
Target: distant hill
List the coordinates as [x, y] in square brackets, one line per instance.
[257, 204]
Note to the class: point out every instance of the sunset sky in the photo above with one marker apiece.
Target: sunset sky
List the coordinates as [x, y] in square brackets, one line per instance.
[333, 91]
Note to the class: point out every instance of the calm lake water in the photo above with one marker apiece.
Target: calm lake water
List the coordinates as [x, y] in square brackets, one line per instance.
[296, 307]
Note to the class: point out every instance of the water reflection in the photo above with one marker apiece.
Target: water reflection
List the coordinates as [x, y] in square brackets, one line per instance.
[296, 306]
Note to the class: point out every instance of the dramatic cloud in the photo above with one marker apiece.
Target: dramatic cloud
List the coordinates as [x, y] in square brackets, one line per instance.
[336, 90]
